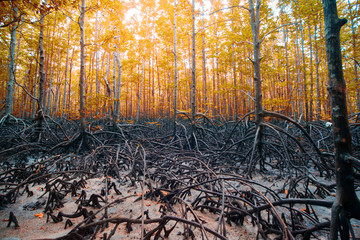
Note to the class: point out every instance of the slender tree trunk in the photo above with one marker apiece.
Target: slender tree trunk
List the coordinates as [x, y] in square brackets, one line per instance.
[66, 69]
[217, 72]
[40, 113]
[82, 110]
[51, 60]
[347, 204]
[255, 25]
[255, 28]
[118, 87]
[311, 77]
[214, 103]
[56, 97]
[304, 72]
[233, 59]
[193, 77]
[97, 82]
[70, 77]
[34, 101]
[10, 85]
[204, 59]
[317, 62]
[108, 88]
[114, 84]
[297, 64]
[175, 72]
[288, 79]
[140, 90]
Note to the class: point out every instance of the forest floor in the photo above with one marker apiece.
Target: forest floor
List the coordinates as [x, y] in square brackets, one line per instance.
[133, 178]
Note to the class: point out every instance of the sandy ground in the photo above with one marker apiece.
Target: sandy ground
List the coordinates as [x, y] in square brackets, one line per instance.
[36, 227]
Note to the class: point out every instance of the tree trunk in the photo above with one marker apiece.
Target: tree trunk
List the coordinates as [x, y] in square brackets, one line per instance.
[317, 61]
[118, 88]
[304, 72]
[82, 110]
[56, 98]
[217, 107]
[255, 28]
[108, 88]
[175, 72]
[311, 77]
[204, 59]
[66, 69]
[347, 204]
[233, 59]
[34, 101]
[40, 113]
[52, 62]
[193, 77]
[288, 79]
[97, 82]
[10, 86]
[140, 90]
[297, 65]
[70, 76]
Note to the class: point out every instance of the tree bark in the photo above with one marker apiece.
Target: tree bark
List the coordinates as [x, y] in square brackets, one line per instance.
[66, 69]
[304, 72]
[193, 77]
[259, 114]
[347, 204]
[204, 59]
[10, 85]
[97, 82]
[317, 62]
[297, 65]
[118, 88]
[311, 77]
[140, 90]
[52, 60]
[233, 60]
[175, 72]
[217, 107]
[108, 88]
[82, 110]
[40, 112]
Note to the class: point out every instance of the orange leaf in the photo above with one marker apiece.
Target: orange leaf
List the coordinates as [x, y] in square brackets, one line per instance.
[42, 227]
[163, 192]
[39, 215]
[139, 194]
[39, 188]
[304, 209]
[286, 191]
[148, 205]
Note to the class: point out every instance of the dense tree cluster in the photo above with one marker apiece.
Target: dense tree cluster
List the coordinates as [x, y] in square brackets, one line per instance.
[130, 66]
